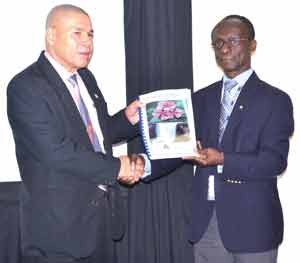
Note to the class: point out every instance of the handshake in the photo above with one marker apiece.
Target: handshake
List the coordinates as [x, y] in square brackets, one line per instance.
[132, 169]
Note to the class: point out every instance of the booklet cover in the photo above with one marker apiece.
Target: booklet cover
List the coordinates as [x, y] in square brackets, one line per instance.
[167, 123]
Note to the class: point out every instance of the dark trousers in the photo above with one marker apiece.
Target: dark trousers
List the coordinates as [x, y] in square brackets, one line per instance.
[10, 232]
[104, 249]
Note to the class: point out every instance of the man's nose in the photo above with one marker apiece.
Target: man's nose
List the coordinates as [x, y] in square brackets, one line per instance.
[86, 37]
[225, 48]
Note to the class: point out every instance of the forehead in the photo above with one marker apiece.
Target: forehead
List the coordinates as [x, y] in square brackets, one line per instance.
[73, 19]
[230, 28]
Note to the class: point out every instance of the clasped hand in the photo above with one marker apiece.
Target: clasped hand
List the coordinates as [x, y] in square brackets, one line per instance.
[132, 169]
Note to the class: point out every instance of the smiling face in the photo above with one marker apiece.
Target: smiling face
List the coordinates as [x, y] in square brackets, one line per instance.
[69, 39]
[234, 55]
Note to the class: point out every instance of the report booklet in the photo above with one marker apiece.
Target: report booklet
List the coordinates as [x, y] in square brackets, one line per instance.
[167, 124]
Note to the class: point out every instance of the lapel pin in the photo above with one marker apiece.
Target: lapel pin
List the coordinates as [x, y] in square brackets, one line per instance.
[96, 95]
[241, 107]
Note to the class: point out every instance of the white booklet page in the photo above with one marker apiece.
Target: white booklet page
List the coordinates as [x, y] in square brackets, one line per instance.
[167, 123]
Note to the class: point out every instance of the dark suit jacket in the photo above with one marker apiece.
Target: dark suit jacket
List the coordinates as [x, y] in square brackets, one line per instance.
[255, 146]
[59, 169]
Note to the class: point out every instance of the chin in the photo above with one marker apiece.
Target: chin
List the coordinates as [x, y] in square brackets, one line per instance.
[228, 67]
[83, 64]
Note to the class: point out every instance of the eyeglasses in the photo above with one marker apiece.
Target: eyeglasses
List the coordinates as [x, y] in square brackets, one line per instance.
[232, 42]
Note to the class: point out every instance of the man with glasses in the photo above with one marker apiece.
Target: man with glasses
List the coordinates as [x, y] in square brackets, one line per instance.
[244, 125]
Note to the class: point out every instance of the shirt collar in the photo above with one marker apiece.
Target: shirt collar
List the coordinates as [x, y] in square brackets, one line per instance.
[62, 72]
[241, 78]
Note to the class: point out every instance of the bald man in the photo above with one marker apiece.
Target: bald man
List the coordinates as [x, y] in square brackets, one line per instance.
[70, 199]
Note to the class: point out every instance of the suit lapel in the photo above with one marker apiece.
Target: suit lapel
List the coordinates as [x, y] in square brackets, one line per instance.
[213, 106]
[65, 99]
[99, 103]
[241, 107]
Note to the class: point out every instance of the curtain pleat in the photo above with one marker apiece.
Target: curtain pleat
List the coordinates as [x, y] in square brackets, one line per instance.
[10, 243]
[158, 48]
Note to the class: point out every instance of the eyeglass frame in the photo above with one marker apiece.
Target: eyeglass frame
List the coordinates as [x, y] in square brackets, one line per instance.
[232, 42]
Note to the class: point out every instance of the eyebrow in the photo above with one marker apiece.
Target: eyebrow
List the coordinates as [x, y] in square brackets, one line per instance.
[82, 29]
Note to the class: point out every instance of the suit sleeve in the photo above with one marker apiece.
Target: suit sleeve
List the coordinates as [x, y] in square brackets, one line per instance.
[270, 159]
[121, 128]
[163, 167]
[41, 138]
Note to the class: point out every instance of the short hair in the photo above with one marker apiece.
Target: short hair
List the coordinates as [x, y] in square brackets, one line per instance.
[64, 7]
[243, 20]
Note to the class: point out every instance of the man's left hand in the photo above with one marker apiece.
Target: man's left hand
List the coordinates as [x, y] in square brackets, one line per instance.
[132, 112]
[207, 157]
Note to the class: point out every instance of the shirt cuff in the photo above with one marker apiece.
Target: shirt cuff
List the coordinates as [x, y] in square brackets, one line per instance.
[147, 168]
[220, 168]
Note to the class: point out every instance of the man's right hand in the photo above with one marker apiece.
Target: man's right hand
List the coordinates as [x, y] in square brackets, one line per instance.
[206, 156]
[132, 169]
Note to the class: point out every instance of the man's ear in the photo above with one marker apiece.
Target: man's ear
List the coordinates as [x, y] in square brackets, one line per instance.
[253, 44]
[50, 35]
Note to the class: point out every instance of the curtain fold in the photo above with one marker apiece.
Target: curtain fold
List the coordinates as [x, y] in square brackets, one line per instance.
[10, 244]
[158, 48]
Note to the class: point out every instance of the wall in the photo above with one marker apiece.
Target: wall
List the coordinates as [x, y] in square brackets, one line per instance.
[22, 40]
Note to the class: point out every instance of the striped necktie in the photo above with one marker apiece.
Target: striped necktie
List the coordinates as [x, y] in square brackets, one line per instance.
[84, 114]
[226, 106]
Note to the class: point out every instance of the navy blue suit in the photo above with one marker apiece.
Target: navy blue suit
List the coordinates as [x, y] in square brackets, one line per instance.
[60, 210]
[255, 146]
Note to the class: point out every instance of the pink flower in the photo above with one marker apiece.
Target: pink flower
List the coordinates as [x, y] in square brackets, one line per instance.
[178, 113]
[166, 110]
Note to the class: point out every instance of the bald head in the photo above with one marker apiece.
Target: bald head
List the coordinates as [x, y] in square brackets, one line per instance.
[69, 37]
[57, 12]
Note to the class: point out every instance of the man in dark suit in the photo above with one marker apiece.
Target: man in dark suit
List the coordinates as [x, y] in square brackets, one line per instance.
[70, 196]
[244, 125]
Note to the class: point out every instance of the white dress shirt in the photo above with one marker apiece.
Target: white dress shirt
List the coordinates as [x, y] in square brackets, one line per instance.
[65, 75]
[235, 92]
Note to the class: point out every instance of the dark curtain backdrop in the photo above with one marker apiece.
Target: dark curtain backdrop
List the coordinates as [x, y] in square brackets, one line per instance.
[158, 56]
[10, 248]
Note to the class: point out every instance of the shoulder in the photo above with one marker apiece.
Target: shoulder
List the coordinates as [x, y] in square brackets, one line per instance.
[29, 77]
[273, 94]
[206, 91]
[272, 102]
[34, 82]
